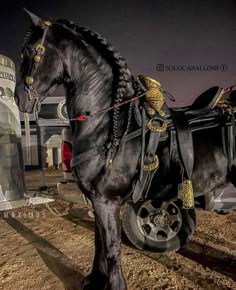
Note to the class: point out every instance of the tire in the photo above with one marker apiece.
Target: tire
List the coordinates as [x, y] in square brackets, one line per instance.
[141, 237]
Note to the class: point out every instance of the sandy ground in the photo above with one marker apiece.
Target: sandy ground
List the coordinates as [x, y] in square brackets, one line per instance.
[41, 250]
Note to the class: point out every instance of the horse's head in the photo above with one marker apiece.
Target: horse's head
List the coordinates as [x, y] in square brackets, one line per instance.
[41, 66]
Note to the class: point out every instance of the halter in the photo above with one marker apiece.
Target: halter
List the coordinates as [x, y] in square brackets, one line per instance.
[39, 52]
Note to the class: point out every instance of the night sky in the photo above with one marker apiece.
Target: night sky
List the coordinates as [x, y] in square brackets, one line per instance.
[146, 33]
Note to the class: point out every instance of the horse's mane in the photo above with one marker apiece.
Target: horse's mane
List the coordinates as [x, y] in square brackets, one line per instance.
[121, 74]
[27, 38]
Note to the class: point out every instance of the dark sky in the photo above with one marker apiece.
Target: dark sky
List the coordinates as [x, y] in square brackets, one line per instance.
[147, 33]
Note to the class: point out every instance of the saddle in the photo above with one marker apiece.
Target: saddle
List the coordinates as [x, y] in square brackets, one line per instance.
[206, 101]
[158, 122]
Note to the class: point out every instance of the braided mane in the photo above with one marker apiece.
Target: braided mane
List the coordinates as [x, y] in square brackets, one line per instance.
[27, 38]
[121, 74]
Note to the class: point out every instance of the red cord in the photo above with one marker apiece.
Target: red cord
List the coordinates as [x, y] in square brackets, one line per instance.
[81, 118]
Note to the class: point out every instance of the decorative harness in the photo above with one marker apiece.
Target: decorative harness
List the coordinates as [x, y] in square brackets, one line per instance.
[157, 123]
[154, 117]
[33, 95]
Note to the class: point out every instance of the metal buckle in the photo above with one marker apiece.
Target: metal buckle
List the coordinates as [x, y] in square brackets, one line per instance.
[156, 128]
[153, 165]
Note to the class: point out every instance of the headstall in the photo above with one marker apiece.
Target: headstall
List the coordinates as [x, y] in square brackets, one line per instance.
[39, 52]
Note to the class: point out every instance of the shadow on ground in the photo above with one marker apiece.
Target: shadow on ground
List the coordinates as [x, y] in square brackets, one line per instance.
[210, 257]
[203, 254]
[57, 262]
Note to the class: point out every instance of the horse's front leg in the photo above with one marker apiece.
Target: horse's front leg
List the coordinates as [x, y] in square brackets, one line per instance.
[106, 272]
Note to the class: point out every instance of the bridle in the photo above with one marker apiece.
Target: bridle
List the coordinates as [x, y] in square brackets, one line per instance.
[33, 95]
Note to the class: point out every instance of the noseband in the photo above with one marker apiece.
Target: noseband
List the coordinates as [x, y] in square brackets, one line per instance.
[39, 52]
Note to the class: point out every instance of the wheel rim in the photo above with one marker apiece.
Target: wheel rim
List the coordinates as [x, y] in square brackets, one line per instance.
[159, 221]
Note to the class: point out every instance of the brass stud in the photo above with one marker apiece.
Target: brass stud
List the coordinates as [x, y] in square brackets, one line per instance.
[37, 58]
[48, 23]
[29, 80]
[151, 112]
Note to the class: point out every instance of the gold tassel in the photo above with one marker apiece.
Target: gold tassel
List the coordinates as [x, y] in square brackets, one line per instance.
[154, 95]
[187, 194]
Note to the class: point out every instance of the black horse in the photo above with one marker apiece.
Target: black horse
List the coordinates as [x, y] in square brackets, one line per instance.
[96, 77]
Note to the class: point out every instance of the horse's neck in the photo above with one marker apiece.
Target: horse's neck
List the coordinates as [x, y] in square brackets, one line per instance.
[90, 89]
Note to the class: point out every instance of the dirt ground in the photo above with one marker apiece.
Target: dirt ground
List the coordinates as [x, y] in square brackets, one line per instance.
[43, 250]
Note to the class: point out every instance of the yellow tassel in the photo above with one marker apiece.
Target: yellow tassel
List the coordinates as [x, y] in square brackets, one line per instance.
[110, 162]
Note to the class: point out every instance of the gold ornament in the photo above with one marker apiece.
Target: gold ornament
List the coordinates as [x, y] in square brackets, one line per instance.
[187, 194]
[154, 128]
[37, 58]
[156, 99]
[153, 165]
[29, 80]
[151, 112]
[48, 23]
[154, 95]
[41, 48]
[149, 83]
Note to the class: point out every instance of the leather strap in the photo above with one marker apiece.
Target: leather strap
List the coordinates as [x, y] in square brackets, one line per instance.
[143, 144]
[85, 156]
[185, 141]
[143, 184]
[230, 140]
[175, 162]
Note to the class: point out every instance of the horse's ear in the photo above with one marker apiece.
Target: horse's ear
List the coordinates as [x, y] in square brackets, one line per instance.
[36, 21]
